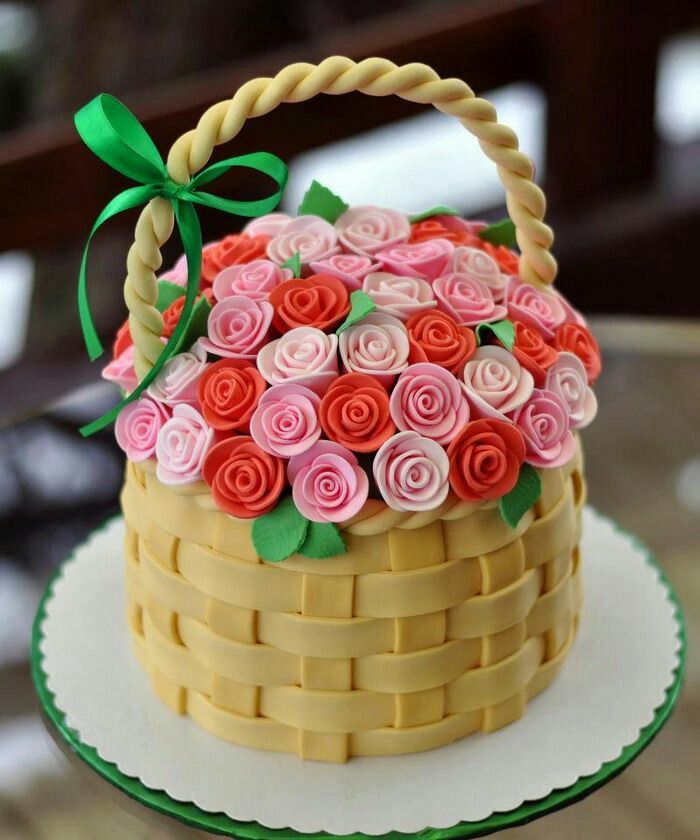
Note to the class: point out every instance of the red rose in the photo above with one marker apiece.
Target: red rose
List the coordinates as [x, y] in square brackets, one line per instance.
[318, 301]
[532, 352]
[573, 338]
[172, 315]
[433, 229]
[245, 481]
[122, 340]
[485, 459]
[436, 337]
[229, 391]
[355, 413]
[236, 249]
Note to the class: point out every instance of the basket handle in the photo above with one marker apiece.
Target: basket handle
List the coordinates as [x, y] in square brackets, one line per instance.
[297, 83]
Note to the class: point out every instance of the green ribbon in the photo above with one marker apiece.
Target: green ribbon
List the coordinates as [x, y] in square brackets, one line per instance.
[114, 134]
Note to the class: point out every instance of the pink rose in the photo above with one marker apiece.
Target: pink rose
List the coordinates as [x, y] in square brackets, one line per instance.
[237, 327]
[480, 266]
[428, 399]
[137, 427]
[541, 310]
[311, 237]
[398, 296]
[285, 423]
[254, 280]
[544, 423]
[467, 300]
[412, 472]
[377, 345]
[495, 383]
[179, 377]
[328, 484]
[121, 370]
[181, 446]
[269, 225]
[571, 315]
[366, 230]
[427, 259]
[177, 274]
[304, 355]
[567, 379]
[350, 268]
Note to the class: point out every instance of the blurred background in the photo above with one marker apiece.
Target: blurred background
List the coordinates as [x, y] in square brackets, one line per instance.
[605, 96]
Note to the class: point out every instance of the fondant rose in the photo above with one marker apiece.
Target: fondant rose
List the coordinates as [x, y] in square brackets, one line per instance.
[577, 339]
[366, 230]
[229, 391]
[304, 355]
[534, 308]
[467, 300]
[319, 301]
[328, 485]
[254, 280]
[495, 383]
[544, 423]
[311, 237]
[122, 340]
[137, 427]
[236, 249]
[485, 459]
[532, 352]
[121, 370]
[424, 259]
[567, 379]
[437, 338]
[398, 296]
[355, 413]
[572, 315]
[350, 268]
[412, 472]
[377, 345]
[181, 446]
[434, 228]
[480, 266]
[285, 422]
[177, 274]
[507, 260]
[237, 327]
[428, 399]
[172, 315]
[245, 481]
[269, 225]
[179, 377]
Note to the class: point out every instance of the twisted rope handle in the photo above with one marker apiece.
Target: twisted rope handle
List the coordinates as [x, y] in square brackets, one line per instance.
[297, 83]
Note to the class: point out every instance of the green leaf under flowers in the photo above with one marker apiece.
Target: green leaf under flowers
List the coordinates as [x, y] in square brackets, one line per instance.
[440, 210]
[320, 201]
[361, 305]
[514, 505]
[503, 330]
[197, 326]
[322, 540]
[500, 233]
[168, 293]
[293, 263]
[281, 532]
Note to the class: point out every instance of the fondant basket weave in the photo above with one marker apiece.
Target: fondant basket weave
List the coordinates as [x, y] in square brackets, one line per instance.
[433, 625]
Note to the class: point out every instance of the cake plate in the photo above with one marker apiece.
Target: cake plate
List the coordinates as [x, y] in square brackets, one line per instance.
[52, 655]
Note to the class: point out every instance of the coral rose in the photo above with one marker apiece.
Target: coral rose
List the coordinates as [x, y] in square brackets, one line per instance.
[254, 280]
[435, 229]
[485, 460]
[467, 300]
[236, 249]
[137, 427]
[122, 340]
[541, 310]
[366, 230]
[350, 268]
[181, 446]
[436, 337]
[269, 225]
[121, 370]
[425, 259]
[567, 379]
[398, 296]
[495, 383]
[229, 391]
[377, 345]
[319, 301]
[544, 423]
[172, 315]
[237, 327]
[285, 422]
[304, 355]
[245, 481]
[428, 399]
[532, 352]
[508, 260]
[355, 413]
[412, 472]
[311, 237]
[577, 339]
[178, 379]
[480, 266]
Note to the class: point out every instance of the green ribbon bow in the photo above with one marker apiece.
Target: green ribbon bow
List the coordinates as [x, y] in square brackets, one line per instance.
[114, 134]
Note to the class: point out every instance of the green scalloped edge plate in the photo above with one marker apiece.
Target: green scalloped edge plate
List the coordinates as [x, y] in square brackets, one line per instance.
[190, 814]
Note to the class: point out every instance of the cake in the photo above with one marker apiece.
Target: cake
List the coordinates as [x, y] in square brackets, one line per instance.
[354, 484]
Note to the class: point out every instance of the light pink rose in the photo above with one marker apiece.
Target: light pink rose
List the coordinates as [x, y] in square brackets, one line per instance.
[350, 268]
[541, 310]
[285, 423]
[121, 370]
[311, 237]
[181, 446]
[328, 484]
[398, 296]
[237, 327]
[377, 345]
[427, 259]
[567, 379]
[495, 383]
[480, 266]
[428, 399]
[544, 423]
[412, 472]
[467, 300]
[137, 427]
[254, 280]
[269, 225]
[366, 230]
[179, 378]
[177, 274]
[304, 355]
[571, 315]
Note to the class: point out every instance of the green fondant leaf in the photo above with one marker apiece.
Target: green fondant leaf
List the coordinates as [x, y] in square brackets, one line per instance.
[503, 330]
[361, 305]
[440, 210]
[197, 326]
[500, 233]
[322, 540]
[167, 294]
[320, 201]
[279, 533]
[514, 505]
[294, 263]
